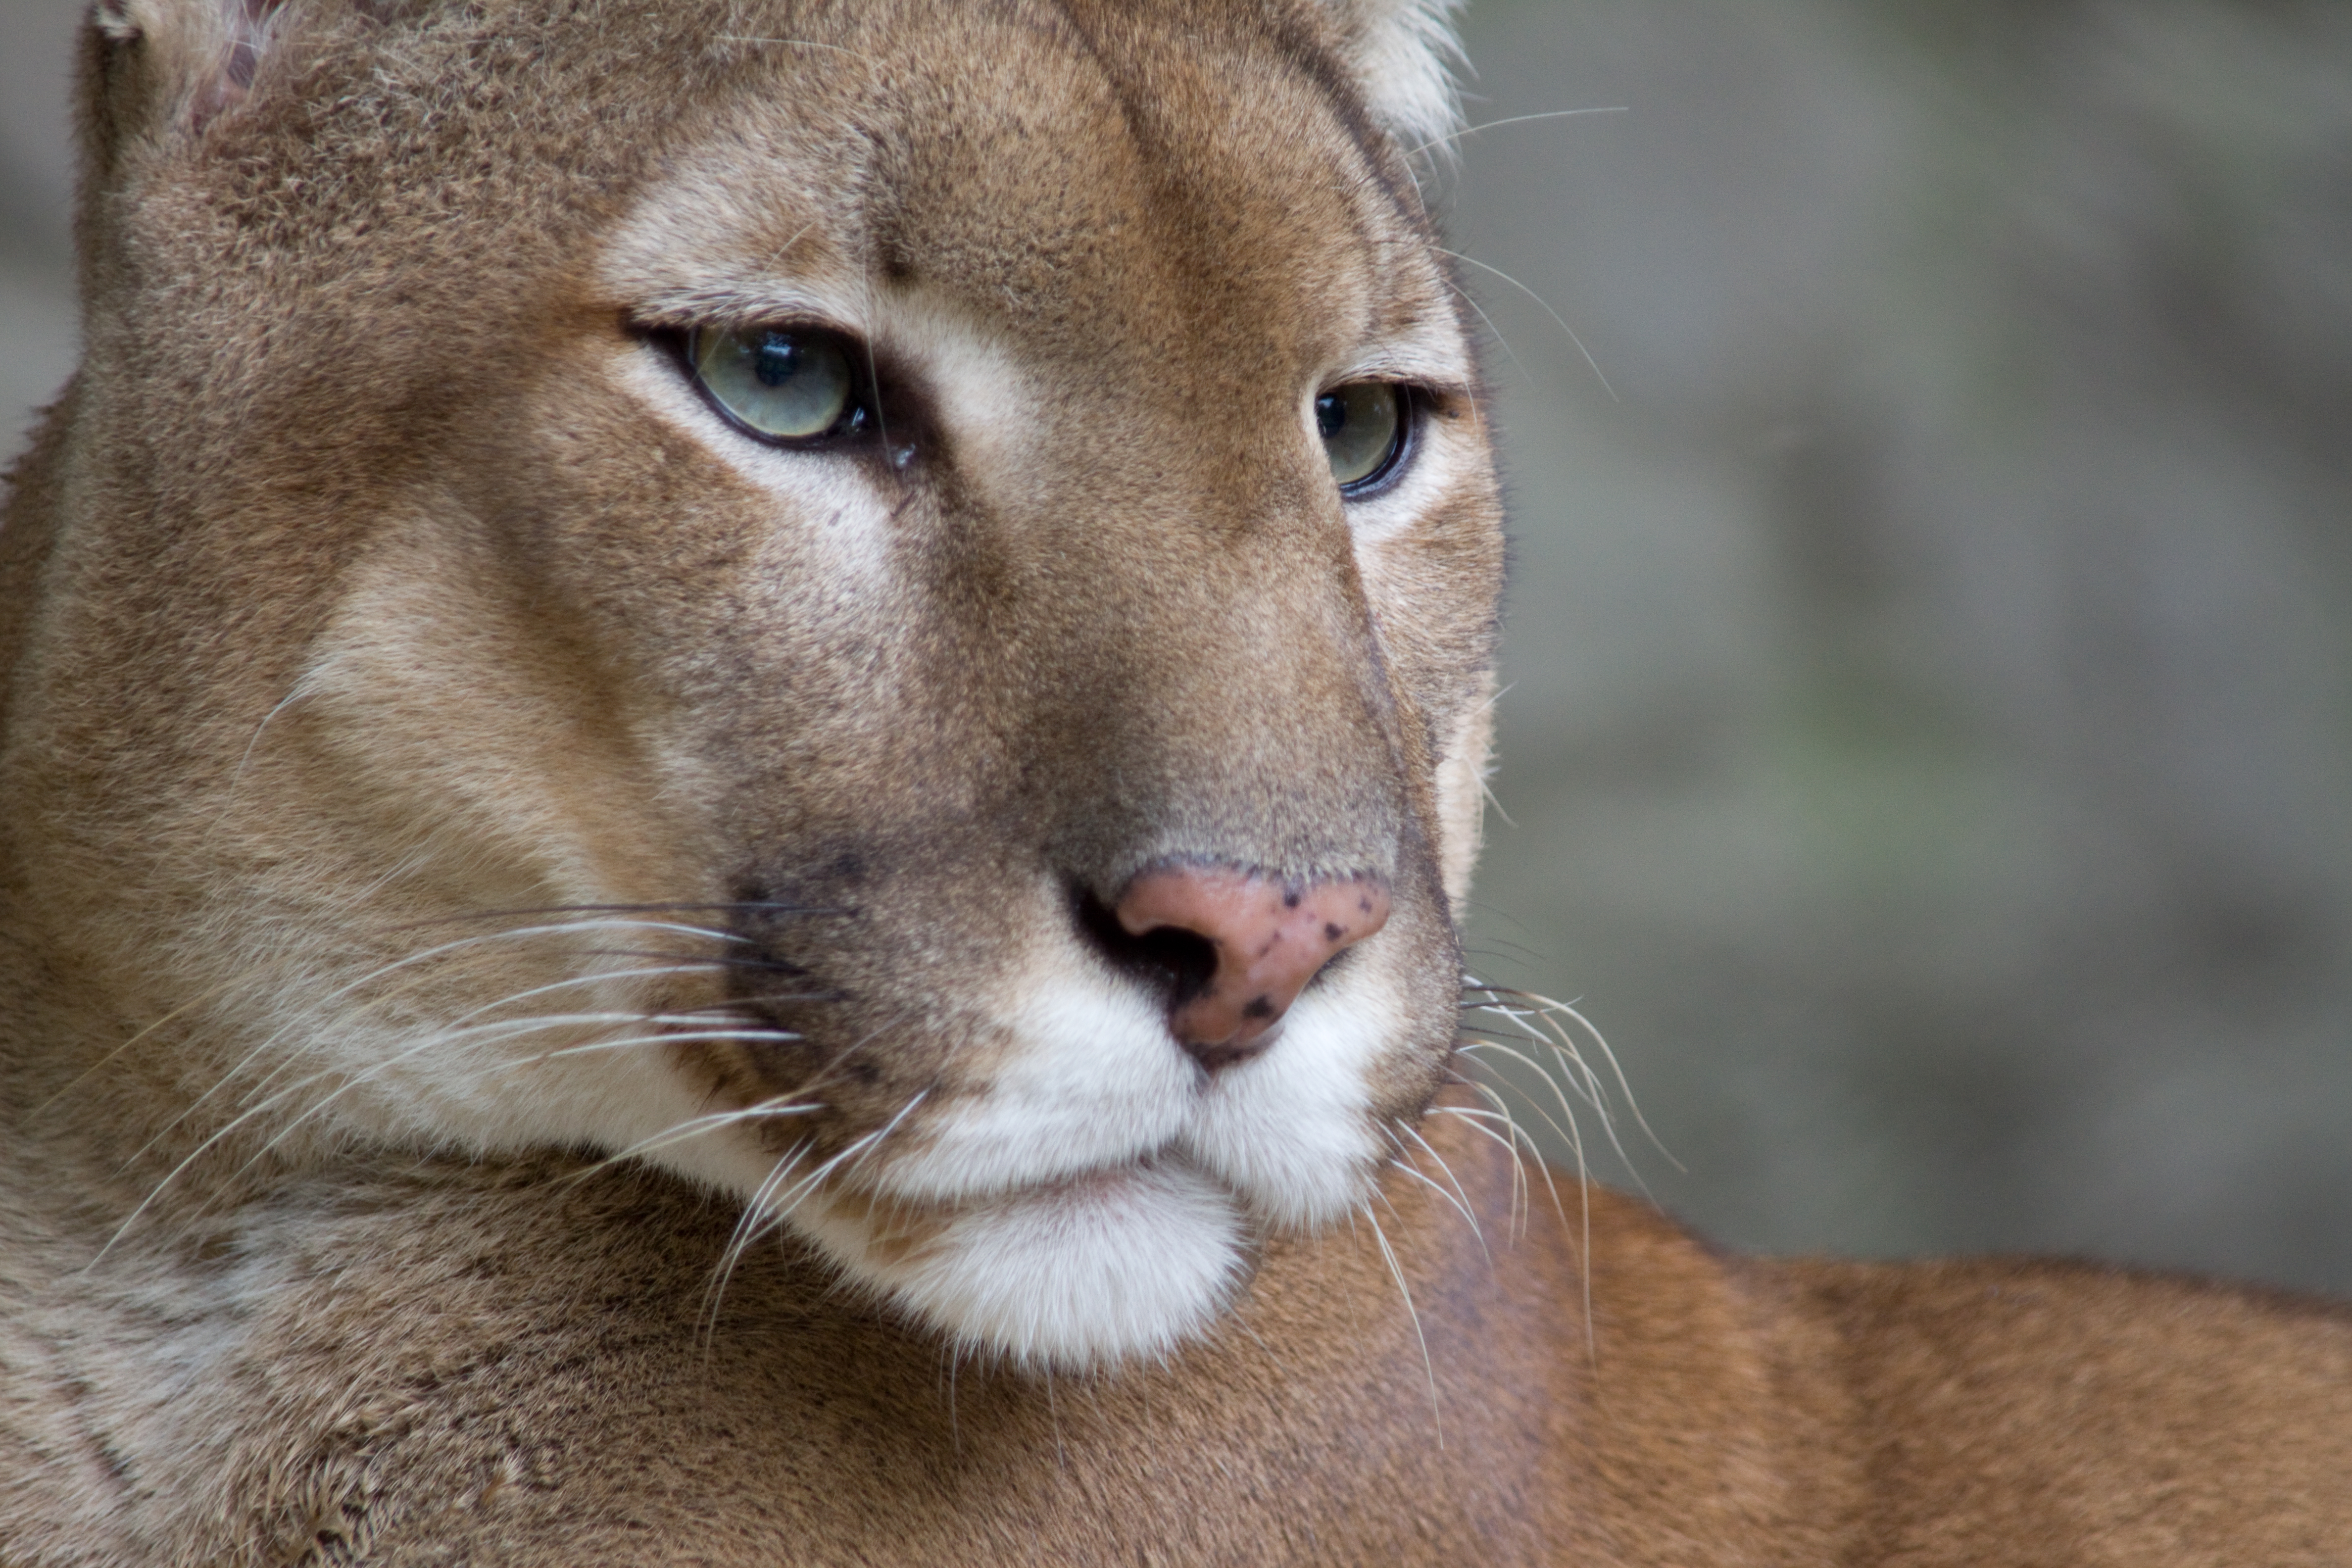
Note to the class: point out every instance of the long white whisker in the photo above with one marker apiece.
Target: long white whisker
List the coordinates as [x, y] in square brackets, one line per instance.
[440, 1041]
[852, 1154]
[1616, 1071]
[302, 688]
[1526, 1140]
[1470, 1118]
[1403, 1162]
[1497, 1048]
[431, 1042]
[1509, 353]
[696, 1126]
[1555, 315]
[1538, 1022]
[746, 1231]
[666, 1036]
[593, 977]
[1447, 1172]
[1512, 120]
[1396, 1272]
[1583, 1176]
[766, 1214]
[382, 970]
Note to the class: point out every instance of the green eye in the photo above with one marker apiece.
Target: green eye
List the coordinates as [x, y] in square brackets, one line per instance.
[790, 384]
[1362, 426]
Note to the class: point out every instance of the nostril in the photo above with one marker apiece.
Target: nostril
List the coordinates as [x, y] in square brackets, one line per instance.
[1247, 944]
[1181, 962]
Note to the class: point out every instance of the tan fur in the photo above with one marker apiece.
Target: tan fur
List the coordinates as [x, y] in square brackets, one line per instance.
[440, 756]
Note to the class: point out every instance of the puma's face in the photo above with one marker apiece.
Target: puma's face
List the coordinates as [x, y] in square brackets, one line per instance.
[862, 633]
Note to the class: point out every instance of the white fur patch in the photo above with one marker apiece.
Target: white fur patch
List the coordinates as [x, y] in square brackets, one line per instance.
[1099, 1200]
[1403, 52]
[1287, 1129]
[1093, 1079]
[1107, 1266]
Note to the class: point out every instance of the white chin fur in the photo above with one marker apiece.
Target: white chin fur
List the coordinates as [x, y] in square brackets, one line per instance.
[1287, 1129]
[1080, 1274]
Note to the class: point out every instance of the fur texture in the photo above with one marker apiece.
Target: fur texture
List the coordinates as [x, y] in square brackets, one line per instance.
[557, 1002]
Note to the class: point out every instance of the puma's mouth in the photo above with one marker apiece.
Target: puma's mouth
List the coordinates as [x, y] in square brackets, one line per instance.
[1092, 1193]
[1078, 1272]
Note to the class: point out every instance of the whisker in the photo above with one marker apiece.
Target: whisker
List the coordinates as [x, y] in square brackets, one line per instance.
[1500, 1108]
[1569, 1133]
[1497, 332]
[715, 961]
[737, 1003]
[724, 907]
[373, 975]
[1546, 1010]
[1555, 315]
[1396, 1272]
[696, 1126]
[382, 972]
[667, 1036]
[437, 1040]
[764, 1215]
[524, 1027]
[739, 1241]
[1572, 1135]
[209, 993]
[1447, 1172]
[1512, 120]
[1401, 1163]
[1521, 1192]
[591, 978]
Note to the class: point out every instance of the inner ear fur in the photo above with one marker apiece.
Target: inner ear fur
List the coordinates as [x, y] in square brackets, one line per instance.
[172, 67]
[1403, 55]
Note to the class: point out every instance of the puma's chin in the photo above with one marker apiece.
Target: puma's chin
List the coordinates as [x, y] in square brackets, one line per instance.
[1100, 1269]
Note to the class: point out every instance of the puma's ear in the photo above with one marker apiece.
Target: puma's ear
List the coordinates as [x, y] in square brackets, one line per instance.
[192, 60]
[1403, 54]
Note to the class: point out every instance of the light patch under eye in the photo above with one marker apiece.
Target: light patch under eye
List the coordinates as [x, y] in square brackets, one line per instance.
[790, 384]
[1362, 427]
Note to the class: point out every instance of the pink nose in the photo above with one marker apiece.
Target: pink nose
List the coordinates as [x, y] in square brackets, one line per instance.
[1270, 937]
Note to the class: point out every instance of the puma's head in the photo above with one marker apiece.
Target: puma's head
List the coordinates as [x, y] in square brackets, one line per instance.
[889, 606]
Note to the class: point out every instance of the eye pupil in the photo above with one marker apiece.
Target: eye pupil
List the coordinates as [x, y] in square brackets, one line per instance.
[1331, 414]
[780, 358]
[783, 383]
[1362, 427]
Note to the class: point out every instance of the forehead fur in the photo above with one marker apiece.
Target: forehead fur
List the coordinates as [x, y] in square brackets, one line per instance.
[1098, 182]
[1003, 147]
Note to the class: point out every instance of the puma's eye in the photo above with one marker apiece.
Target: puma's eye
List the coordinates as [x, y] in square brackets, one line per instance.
[790, 384]
[1362, 426]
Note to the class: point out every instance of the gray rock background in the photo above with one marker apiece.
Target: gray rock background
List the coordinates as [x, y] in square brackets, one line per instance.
[1928, 748]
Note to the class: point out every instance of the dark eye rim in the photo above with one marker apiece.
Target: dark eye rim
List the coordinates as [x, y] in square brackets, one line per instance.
[1412, 404]
[859, 425]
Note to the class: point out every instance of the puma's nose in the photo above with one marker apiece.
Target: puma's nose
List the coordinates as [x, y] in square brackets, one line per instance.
[1270, 938]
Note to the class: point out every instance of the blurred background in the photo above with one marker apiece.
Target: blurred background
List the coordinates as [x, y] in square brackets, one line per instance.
[1928, 753]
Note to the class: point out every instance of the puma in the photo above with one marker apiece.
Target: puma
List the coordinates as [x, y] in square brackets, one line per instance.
[740, 742]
